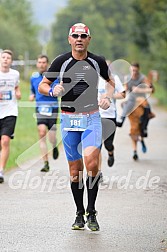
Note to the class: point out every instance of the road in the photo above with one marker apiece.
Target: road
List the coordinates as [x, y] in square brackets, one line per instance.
[37, 210]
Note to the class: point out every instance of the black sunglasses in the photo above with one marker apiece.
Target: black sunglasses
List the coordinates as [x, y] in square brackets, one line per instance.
[82, 35]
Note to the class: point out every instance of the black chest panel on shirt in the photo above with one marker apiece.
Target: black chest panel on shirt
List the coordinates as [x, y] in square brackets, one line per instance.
[80, 83]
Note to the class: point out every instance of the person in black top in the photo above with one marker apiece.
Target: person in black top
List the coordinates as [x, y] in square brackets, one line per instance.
[78, 72]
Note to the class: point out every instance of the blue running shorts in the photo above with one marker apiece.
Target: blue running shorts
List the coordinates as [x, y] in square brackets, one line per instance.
[75, 141]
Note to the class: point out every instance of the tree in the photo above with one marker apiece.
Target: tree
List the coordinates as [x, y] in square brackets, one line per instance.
[17, 31]
[134, 30]
[150, 34]
[107, 21]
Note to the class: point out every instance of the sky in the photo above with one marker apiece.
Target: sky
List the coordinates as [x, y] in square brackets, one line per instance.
[44, 10]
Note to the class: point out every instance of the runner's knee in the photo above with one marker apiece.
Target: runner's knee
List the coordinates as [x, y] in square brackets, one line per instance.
[76, 175]
[42, 133]
[92, 167]
[5, 141]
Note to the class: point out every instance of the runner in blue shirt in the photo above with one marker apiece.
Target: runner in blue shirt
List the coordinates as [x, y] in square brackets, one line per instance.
[46, 112]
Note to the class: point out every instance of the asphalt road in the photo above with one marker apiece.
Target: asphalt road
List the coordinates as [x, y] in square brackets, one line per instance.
[37, 210]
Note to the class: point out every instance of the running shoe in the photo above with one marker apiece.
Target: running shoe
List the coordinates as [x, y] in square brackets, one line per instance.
[92, 223]
[135, 156]
[79, 223]
[144, 148]
[55, 153]
[46, 167]
[1, 178]
[110, 160]
[120, 122]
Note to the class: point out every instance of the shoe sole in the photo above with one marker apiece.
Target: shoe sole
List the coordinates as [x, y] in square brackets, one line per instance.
[135, 158]
[93, 229]
[44, 170]
[77, 228]
[110, 164]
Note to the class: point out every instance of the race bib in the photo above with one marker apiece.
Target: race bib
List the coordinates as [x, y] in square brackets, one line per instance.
[6, 95]
[75, 122]
[45, 110]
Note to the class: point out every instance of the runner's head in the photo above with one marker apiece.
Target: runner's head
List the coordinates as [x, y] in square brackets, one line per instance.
[79, 37]
[7, 51]
[42, 63]
[135, 68]
[79, 27]
[6, 58]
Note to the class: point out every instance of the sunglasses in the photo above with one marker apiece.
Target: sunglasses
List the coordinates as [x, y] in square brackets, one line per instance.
[82, 35]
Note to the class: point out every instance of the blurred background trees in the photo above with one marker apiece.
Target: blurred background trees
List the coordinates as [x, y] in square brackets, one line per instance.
[17, 30]
[134, 30]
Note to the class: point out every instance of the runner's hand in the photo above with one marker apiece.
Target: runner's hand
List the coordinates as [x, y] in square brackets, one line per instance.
[18, 94]
[104, 103]
[58, 89]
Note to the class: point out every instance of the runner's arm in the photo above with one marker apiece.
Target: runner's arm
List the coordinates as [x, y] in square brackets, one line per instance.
[17, 92]
[44, 86]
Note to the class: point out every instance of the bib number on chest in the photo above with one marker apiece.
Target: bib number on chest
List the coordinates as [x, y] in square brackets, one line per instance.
[6, 95]
[75, 122]
[45, 110]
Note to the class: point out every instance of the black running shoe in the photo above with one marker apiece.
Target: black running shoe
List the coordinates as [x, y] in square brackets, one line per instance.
[92, 223]
[135, 156]
[120, 123]
[55, 153]
[46, 167]
[79, 223]
[110, 160]
[1, 178]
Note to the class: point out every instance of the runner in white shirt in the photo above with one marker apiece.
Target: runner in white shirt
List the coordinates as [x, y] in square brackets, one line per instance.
[109, 116]
[9, 93]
